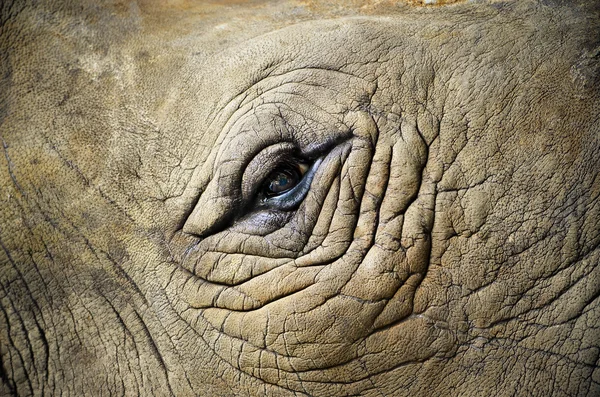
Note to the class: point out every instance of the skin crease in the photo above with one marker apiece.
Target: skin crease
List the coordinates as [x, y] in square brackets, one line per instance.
[447, 245]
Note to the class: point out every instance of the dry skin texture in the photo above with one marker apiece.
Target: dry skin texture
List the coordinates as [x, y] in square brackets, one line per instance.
[439, 235]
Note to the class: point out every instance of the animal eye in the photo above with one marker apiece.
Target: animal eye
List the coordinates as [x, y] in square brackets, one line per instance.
[287, 185]
[284, 178]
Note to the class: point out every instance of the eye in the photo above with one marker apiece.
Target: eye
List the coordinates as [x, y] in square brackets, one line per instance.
[284, 178]
[287, 185]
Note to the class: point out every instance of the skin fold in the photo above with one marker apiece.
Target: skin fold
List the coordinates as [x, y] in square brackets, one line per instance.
[440, 234]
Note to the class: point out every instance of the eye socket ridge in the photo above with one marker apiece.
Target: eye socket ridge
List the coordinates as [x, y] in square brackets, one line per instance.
[287, 185]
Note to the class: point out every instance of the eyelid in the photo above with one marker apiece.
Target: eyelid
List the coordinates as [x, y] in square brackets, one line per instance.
[265, 162]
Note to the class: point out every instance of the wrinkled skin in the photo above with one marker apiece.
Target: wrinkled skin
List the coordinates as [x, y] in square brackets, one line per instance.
[442, 239]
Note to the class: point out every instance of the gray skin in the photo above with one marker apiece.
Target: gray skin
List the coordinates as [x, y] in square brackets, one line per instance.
[441, 236]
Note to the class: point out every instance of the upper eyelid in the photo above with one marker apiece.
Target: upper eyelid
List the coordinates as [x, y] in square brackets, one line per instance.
[261, 165]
